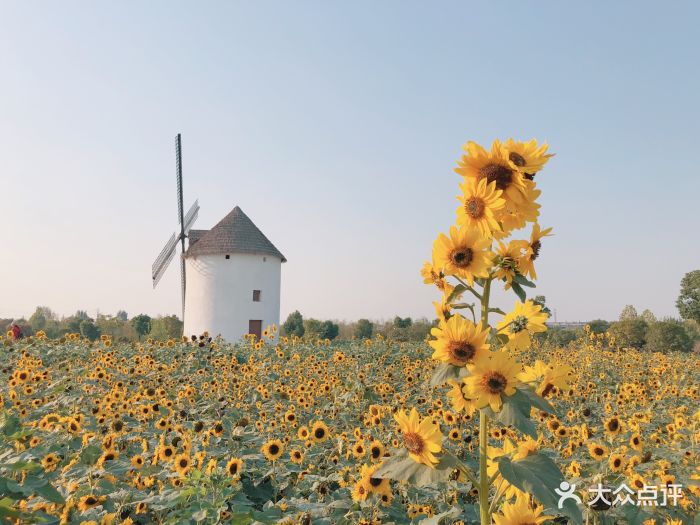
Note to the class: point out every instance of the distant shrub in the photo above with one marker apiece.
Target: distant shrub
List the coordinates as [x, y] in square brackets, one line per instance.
[363, 329]
[598, 326]
[668, 336]
[630, 332]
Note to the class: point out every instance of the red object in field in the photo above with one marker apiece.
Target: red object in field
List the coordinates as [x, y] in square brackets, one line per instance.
[16, 332]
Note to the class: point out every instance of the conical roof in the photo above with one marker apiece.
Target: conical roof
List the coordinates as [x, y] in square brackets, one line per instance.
[235, 233]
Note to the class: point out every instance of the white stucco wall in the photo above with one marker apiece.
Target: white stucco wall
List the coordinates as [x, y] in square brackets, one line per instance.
[219, 296]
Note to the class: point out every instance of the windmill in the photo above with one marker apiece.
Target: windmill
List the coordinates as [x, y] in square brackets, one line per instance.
[186, 221]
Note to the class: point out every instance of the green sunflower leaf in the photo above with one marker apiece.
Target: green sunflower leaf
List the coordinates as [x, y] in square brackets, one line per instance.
[515, 411]
[538, 475]
[444, 372]
[519, 291]
[401, 467]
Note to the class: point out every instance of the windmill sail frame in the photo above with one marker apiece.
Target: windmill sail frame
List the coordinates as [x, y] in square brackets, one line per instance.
[186, 221]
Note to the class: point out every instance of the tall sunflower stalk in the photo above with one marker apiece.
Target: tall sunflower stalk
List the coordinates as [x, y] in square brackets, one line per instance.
[476, 359]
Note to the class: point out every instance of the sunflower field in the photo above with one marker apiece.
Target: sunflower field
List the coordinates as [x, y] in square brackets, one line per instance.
[484, 422]
[291, 433]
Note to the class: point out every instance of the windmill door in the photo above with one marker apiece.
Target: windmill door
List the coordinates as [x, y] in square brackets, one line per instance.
[255, 327]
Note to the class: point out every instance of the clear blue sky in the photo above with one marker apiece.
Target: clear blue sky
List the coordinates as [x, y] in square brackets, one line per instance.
[335, 126]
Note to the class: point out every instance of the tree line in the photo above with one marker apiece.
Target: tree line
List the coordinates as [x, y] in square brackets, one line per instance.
[119, 327]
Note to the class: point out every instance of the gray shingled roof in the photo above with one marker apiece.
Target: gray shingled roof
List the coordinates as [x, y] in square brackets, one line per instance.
[235, 233]
[194, 235]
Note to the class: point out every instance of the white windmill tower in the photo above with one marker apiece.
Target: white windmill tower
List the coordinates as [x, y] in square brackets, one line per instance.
[233, 274]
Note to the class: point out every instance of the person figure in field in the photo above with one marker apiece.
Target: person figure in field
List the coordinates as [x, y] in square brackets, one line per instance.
[16, 332]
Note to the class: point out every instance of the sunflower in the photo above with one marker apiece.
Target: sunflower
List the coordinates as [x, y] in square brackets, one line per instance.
[636, 442]
[90, 501]
[613, 426]
[49, 461]
[432, 275]
[495, 167]
[360, 491]
[526, 318]
[137, 461]
[376, 450]
[527, 157]
[520, 513]
[234, 467]
[506, 261]
[358, 449]
[457, 399]
[527, 261]
[480, 205]
[490, 377]
[458, 341]
[166, 453]
[421, 437]
[376, 485]
[182, 464]
[297, 456]
[616, 462]
[549, 377]
[319, 432]
[303, 433]
[598, 451]
[273, 449]
[465, 253]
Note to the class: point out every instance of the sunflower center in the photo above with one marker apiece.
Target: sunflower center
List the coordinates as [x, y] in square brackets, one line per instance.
[517, 159]
[613, 425]
[501, 175]
[495, 382]
[535, 250]
[413, 442]
[274, 449]
[375, 482]
[518, 324]
[319, 433]
[475, 207]
[462, 351]
[462, 257]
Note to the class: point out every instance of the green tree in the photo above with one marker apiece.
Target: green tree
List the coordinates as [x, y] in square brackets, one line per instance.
[668, 335]
[541, 300]
[688, 302]
[294, 325]
[312, 328]
[363, 329]
[122, 316]
[168, 327]
[630, 332]
[598, 326]
[89, 329]
[141, 324]
[402, 323]
[329, 330]
[628, 313]
[41, 316]
[648, 316]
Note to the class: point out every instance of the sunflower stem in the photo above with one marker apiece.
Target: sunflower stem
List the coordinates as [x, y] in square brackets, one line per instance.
[484, 482]
[484, 510]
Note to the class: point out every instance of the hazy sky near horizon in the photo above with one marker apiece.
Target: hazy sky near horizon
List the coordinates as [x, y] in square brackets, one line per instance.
[336, 126]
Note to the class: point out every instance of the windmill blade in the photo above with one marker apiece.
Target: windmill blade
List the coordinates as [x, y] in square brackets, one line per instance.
[163, 260]
[191, 216]
[178, 172]
[182, 281]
